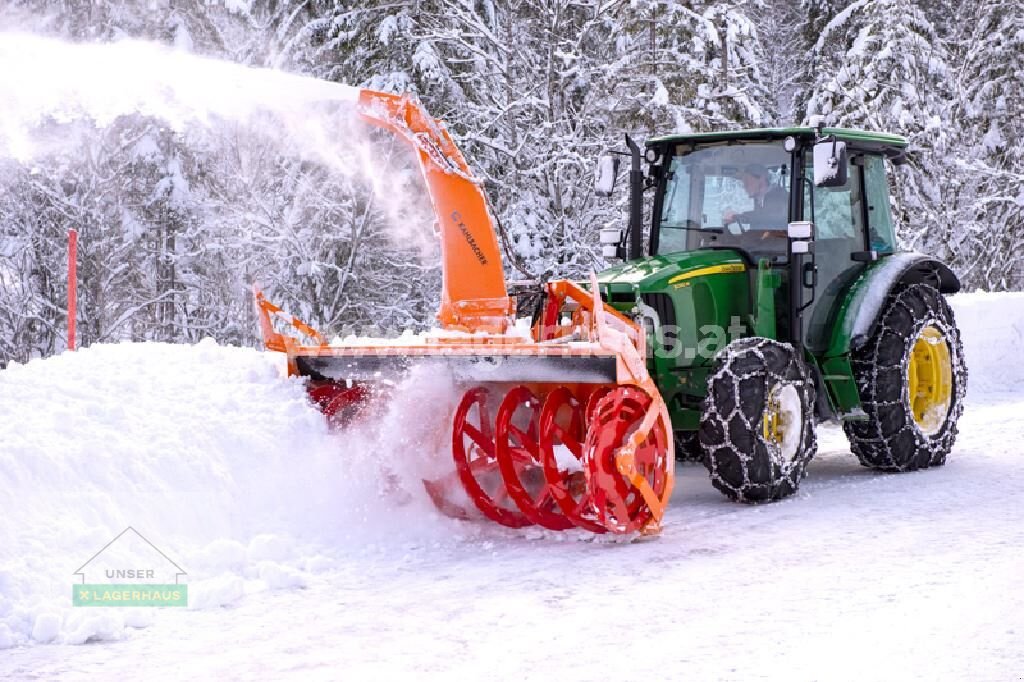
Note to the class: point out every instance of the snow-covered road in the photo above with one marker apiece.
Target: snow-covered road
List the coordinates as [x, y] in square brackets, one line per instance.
[859, 576]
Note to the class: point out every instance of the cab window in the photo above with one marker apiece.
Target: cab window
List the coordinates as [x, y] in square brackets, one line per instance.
[726, 195]
[876, 186]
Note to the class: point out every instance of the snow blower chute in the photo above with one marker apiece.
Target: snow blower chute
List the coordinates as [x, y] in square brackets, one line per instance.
[561, 428]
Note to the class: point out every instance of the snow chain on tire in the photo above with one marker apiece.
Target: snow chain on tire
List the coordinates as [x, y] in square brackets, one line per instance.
[688, 447]
[746, 462]
[892, 438]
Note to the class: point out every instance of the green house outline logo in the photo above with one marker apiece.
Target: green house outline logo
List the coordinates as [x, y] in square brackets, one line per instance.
[130, 594]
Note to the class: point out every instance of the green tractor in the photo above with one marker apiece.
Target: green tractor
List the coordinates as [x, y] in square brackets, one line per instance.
[775, 298]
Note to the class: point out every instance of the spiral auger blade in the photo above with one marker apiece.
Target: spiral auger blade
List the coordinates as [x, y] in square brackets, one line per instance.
[339, 403]
[517, 437]
[628, 467]
[565, 460]
[563, 434]
[475, 451]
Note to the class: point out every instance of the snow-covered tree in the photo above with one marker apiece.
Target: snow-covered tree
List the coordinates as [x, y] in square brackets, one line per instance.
[887, 75]
[691, 65]
[813, 18]
[989, 115]
[892, 76]
[780, 57]
[177, 223]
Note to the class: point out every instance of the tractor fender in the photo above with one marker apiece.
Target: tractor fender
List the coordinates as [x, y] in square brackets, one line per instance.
[859, 312]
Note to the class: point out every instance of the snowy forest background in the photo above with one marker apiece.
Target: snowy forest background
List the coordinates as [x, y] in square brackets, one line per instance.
[175, 228]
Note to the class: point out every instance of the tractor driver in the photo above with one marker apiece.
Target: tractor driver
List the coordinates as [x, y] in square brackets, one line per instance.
[771, 203]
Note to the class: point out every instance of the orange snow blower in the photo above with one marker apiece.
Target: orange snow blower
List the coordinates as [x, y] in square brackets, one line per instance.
[560, 427]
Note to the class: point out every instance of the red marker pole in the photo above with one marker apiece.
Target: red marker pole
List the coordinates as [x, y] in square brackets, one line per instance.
[72, 285]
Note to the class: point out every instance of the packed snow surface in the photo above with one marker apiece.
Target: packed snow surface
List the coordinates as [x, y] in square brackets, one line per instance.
[316, 555]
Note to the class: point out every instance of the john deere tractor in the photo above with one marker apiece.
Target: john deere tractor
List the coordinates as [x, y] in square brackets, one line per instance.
[774, 298]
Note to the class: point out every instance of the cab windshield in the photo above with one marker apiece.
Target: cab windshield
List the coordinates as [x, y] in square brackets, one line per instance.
[730, 195]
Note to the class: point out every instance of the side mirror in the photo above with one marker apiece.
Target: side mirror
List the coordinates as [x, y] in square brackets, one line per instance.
[604, 178]
[830, 163]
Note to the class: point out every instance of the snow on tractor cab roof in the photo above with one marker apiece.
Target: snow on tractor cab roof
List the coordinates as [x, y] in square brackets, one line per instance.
[860, 137]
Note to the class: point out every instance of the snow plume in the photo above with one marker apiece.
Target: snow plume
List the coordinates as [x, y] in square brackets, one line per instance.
[46, 84]
[214, 458]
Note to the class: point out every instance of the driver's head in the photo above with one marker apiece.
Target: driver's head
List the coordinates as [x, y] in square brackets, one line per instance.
[755, 179]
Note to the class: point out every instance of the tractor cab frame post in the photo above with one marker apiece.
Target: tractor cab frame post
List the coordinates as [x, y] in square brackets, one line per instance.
[636, 201]
[800, 238]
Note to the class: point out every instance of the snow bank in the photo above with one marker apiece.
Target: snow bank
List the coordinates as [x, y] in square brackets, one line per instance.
[992, 326]
[212, 456]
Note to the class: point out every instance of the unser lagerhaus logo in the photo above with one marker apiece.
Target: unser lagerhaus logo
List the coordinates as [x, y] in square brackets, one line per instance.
[130, 571]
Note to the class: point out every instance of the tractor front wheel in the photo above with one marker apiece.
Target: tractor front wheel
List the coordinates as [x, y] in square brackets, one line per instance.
[912, 380]
[757, 426]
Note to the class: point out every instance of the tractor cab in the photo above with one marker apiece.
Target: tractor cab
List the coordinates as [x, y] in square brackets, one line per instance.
[743, 192]
[738, 192]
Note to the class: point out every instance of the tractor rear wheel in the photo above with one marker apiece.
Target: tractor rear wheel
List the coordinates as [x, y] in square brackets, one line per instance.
[757, 426]
[912, 381]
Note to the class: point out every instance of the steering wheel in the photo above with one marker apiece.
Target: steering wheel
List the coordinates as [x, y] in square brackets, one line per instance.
[728, 225]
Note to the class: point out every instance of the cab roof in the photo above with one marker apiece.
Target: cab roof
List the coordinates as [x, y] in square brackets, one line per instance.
[888, 141]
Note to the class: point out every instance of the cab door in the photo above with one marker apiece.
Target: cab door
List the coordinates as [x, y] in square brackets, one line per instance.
[839, 215]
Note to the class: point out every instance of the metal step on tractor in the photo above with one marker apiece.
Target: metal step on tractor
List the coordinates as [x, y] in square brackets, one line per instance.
[775, 297]
[769, 297]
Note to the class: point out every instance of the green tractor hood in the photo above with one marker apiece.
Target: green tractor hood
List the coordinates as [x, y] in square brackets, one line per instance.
[658, 273]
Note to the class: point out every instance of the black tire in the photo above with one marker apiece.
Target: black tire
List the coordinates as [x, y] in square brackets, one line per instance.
[892, 438]
[688, 447]
[745, 380]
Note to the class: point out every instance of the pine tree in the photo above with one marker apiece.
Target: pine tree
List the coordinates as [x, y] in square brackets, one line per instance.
[781, 55]
[809, 57]
[990, 115]
[692, 65]
[879, 74]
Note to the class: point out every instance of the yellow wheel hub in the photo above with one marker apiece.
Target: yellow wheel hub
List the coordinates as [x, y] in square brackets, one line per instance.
[771, 423]
[930, 380]
[780, 424]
